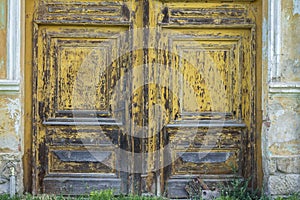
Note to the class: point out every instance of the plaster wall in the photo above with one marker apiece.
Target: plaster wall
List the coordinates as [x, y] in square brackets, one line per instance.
[10, 142]
[281, 127]
[11, 114]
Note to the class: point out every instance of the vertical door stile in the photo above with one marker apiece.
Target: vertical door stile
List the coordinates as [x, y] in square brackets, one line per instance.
[136, 98]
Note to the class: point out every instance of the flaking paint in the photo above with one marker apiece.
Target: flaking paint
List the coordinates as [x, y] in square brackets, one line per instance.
[14, 110]
[153, 103]
[2, 14]
[3, 31]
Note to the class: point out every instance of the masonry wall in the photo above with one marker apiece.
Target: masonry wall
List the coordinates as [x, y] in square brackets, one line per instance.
[10, 142]
[11, 128]
[281, 127]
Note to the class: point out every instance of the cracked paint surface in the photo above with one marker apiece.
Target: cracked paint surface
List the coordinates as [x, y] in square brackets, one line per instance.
[290, 52]
[9, 123]
[284, 132]
[2, 40]
[10, 141]
[2, 14]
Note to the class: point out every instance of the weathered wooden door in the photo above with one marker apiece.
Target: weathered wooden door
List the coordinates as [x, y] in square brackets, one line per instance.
[143, 96]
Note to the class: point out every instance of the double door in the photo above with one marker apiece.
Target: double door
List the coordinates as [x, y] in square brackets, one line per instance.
[143, 96]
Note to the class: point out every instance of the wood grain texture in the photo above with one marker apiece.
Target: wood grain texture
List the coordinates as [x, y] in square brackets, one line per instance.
[206, 58]
[77, 90]
[172, 83]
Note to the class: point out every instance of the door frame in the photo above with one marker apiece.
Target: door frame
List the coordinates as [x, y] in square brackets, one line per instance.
[29, 151]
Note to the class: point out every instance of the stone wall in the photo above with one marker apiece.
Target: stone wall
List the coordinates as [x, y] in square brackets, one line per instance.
[11, 117]
[10, 142]
[284, 144]
[281, 127]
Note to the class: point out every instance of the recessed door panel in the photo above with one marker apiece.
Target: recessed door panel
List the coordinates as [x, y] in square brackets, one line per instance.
[208, 68]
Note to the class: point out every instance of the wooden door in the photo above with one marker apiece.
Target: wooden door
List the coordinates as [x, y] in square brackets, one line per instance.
[203, 60]
[81, 53]
[143, 96]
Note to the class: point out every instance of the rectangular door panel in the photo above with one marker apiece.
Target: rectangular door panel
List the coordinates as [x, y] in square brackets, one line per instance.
[205, 161]
[79, 95]
[81, 66]
[78, 160]
[67, 184]
[209, 67]
[83, 11]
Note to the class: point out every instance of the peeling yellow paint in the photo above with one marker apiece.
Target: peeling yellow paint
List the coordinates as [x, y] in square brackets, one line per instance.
[183, 62]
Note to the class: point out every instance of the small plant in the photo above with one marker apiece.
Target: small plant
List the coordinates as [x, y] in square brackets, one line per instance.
[263, 196]
[4, 197]
[7, 197]
[228, 193]
[135, 197]
[103, 194]
[109, 195]
[295, 196]
[236, 189]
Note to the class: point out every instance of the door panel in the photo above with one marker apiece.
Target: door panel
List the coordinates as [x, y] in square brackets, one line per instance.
[170, 83]
[209, 64]
[79, 96]
[206, 60]
[205, 150]
[81, 65]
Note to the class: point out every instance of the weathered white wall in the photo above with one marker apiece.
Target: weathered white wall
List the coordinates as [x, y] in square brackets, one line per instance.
[11, 115]
[281, 127]
[10, 141]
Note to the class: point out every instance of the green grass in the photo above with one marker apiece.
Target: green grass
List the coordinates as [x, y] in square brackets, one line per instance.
[238, 192]
[95, 195]
[109, 194]
[264, 197]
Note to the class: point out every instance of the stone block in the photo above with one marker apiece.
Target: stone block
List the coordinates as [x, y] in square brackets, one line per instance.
[284, 115]
[272, 166]
[4, 186]
[284, 184]
[290, 148]
[289, 165]
[8, 160]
